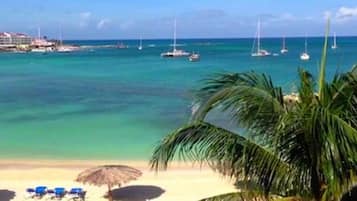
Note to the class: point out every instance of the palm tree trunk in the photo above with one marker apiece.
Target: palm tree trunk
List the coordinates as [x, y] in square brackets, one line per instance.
[110, 196]
[316, 185]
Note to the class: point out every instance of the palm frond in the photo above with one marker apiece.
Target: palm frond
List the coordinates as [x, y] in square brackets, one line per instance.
[226, 152]
[251, 98]
[249, 196]
[238, 196]
[215, 83]
[219, 86]
[306, 89]
[202, 142]
[294, 148]
[354, 69]
[269, 171]
[323, 63]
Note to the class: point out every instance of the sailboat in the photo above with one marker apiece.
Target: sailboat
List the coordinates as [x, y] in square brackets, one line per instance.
[284, 50]
[140, 44]
[62, 48]
[260, 52]
[305, 56]
[40, 45]
[175, 52]
[334, 46]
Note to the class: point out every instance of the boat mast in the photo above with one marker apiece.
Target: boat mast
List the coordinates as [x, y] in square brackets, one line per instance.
[39, 32]
[334, 40]
[258, 36]
[61, 40]
[284, 43]
[175, 35]
[305, 44]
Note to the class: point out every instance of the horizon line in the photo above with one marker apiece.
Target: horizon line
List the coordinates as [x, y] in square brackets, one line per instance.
[205, 38]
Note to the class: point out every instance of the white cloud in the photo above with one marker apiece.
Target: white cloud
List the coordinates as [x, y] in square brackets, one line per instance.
[346, 13]
[102, 23]
[287, 17]
[85, 15]
[84, 19]
[126, 25]
[209, 14]
[284, 17]
[342, 15]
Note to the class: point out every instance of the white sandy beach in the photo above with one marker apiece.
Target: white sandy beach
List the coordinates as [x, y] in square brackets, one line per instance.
[179, 183]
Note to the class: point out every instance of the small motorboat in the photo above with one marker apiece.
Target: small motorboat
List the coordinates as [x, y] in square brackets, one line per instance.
[194, 57]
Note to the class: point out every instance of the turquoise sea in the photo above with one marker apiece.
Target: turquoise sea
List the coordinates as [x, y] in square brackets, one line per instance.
[107, 103]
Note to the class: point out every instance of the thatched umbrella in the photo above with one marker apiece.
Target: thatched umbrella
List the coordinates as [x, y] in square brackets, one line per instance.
[110, 175]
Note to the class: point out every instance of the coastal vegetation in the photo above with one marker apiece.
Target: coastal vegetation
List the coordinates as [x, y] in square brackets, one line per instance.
[285, 148]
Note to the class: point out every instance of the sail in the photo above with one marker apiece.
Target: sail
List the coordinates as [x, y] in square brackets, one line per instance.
[259, 51]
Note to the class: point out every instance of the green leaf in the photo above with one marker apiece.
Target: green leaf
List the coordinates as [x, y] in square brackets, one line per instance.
[323, 62]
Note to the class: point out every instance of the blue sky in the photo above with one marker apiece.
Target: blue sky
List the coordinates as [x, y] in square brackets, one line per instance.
[124, 19]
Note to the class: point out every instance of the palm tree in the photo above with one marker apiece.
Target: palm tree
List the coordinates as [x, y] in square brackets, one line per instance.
[303, 147]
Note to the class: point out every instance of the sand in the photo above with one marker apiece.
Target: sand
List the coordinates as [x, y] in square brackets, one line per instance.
[181, 182]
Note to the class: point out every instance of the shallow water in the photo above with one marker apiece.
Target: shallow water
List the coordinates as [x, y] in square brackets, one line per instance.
[106, 103]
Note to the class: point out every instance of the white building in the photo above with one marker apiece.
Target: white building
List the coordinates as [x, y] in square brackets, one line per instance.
[8, 39]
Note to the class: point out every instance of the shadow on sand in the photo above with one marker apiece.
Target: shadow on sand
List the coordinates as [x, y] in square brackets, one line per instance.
[137, 193]
[6, 195]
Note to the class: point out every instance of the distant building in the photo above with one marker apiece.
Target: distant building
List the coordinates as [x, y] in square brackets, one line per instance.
[8, 39]
[42, 43]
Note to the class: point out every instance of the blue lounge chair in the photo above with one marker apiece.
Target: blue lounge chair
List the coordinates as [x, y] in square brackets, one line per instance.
[30, 193]
[40, 191]
[50, 194]
[59, 192]
[77, 194]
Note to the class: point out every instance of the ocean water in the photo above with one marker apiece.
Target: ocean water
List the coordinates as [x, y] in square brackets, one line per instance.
[107, 103]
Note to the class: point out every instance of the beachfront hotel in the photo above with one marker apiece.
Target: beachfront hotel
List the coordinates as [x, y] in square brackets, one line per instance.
[11, 39]
[19, 42]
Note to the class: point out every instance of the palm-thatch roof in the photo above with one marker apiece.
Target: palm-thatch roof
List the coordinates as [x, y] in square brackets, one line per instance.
[110, 175]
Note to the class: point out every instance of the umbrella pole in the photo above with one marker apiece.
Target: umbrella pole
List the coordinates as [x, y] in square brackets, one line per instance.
[110, 196]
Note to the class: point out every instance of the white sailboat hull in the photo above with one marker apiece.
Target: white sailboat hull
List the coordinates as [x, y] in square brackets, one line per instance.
[284, 51]
[39, 50]
[175, 53]
[261, 53]
[305, 56]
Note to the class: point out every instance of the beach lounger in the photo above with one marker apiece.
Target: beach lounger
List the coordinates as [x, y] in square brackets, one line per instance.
[30, 193]
[60, 192]
[40, 191]
[76, 194]
[57, 193]
[50, 194]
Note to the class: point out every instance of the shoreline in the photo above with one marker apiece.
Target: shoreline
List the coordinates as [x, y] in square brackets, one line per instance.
[182, 181]
[86, 163]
